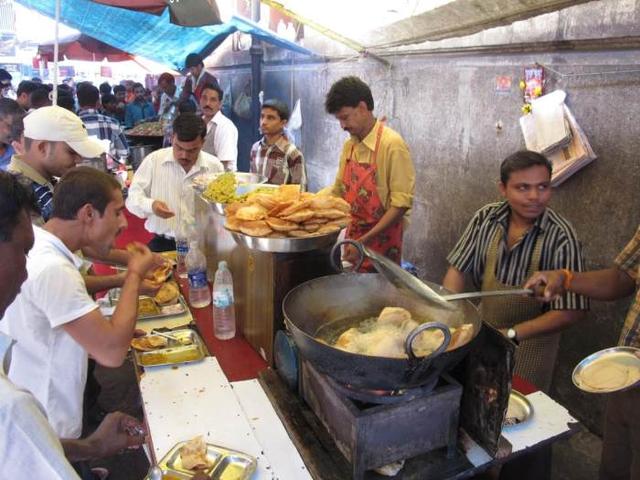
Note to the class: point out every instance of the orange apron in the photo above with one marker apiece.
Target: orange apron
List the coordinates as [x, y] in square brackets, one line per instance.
[361, 192]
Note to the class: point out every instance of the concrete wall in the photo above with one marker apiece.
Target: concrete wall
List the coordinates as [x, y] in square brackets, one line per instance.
[446, 108]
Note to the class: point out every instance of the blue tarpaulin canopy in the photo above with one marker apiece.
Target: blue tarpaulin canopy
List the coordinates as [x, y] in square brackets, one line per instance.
[151, 36]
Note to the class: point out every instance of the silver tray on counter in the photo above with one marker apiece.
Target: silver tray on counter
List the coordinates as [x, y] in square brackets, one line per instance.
[175, 352]
[626, 360]
[285, 244]
[518, 411]
[225, 464]
[164, 311]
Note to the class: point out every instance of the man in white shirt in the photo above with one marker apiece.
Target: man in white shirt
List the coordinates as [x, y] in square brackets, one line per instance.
[54, 320]
[222, 134]
[28, 444]
[161, 187]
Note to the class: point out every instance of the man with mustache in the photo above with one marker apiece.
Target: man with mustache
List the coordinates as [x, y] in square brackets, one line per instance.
[503, 244]
[222, 135]
[375, 175]
[54, 320]
[28, 443]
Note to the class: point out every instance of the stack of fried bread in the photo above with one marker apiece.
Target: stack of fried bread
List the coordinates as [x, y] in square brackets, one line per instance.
[287, 212]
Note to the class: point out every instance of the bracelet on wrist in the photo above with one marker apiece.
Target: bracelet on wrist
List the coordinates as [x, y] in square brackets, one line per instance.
[568, 277]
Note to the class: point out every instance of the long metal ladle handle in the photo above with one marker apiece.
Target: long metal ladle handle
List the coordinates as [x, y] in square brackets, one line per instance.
[408, 343]
[336, 255]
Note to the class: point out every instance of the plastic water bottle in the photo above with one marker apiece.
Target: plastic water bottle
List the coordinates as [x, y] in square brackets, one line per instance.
[197, 273]
[184, 236]
[224, 317]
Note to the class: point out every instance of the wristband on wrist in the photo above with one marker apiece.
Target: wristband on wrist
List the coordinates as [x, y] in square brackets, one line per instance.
[568, 277]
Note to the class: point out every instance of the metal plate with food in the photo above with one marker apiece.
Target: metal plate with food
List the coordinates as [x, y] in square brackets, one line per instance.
[519, 410]
[176, 346]
[217, 463]
[285, 244]
[201, 182]
[146, 129]
[609, 370]
[149, 309]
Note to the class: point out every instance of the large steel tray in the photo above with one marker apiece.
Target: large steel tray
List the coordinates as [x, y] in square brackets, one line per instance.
[175, 352]
[225, 464]
[285, 245]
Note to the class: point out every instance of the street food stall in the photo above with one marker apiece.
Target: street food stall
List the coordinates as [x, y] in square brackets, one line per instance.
[264, 267]
[443, 414]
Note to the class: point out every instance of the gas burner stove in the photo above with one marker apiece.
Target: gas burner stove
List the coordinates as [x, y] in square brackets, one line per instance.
[383, 397]
[375, 428]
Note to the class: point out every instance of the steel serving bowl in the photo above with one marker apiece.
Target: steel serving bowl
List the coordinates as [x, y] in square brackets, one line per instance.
[285, 244]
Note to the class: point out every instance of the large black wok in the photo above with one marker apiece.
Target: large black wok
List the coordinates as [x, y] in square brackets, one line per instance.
[325, 307]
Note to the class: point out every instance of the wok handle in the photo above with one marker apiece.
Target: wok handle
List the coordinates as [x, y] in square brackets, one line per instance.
[408, 343]
[336, 255]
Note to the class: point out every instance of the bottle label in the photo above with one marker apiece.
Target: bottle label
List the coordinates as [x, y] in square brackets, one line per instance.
[223, 298]
[197, 279]
[182, 247]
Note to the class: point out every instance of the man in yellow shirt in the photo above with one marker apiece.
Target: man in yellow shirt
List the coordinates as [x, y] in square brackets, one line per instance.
[375, 175]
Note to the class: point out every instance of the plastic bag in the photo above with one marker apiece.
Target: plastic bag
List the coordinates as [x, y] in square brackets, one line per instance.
[242, 106]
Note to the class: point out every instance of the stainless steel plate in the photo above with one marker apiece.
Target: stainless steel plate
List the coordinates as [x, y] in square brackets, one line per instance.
[167, 311]
[285, 245]
[519, 409]
[175, 352]
[623, 370]
[225, 464]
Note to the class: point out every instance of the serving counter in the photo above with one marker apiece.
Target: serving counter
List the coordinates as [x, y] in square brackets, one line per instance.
[260, 279]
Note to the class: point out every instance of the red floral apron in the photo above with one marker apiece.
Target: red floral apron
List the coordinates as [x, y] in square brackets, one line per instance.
[361, 191]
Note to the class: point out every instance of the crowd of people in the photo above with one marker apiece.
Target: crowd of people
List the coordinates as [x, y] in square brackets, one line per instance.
[77, 212]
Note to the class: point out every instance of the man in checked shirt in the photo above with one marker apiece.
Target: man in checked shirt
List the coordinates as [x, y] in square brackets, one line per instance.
[503, 244]
[621, 441]
[99, 125]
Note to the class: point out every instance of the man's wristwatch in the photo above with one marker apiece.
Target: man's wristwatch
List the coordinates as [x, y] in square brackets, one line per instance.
[512, 335]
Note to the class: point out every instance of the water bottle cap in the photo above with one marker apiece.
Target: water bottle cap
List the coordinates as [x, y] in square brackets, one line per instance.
[222, 264]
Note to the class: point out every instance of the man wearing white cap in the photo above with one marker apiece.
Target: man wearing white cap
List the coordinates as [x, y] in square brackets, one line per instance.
[55, 139]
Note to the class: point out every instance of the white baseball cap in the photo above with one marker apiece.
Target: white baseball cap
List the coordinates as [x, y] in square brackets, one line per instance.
[57, 124]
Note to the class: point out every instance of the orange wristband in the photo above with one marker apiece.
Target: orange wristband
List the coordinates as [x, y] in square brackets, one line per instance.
[568, 276]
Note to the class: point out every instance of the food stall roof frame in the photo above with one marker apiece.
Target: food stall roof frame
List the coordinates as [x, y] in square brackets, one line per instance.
[151, 36]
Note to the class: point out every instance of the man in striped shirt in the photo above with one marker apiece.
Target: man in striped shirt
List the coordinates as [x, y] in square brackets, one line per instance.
[161, 188]
[101, 126]
[503, 245]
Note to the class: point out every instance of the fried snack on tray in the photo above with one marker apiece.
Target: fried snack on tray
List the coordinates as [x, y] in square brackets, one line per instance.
[287, 212]
[147, 306]
[149, 343]
[161, 273]
[193, 454]
[168, 294]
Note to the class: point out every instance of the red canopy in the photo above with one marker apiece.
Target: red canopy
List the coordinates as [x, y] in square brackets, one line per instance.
[83, 47]
[149, 6]
[191, 13]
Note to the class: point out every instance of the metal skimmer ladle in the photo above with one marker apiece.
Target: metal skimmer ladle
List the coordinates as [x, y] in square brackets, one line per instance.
[405, 281]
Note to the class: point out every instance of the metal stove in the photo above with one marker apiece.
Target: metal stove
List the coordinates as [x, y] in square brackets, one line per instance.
[375, 428]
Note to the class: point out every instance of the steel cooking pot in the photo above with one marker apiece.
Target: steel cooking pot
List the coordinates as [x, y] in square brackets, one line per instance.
[318, 311]
[139, 152]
